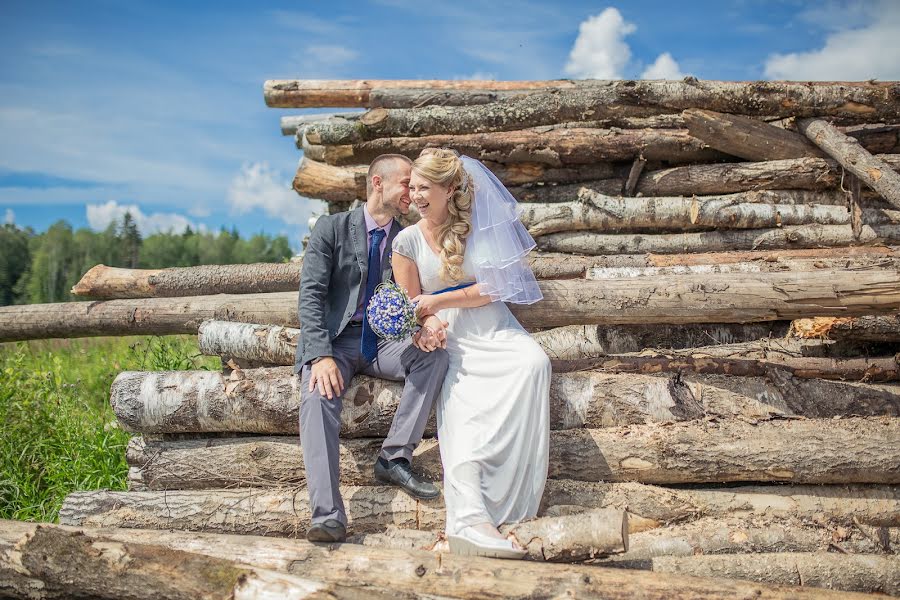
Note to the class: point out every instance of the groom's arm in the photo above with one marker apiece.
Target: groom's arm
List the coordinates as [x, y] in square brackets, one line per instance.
[314, 282]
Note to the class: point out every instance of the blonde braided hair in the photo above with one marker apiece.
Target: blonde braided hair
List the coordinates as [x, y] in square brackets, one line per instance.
[443, 167]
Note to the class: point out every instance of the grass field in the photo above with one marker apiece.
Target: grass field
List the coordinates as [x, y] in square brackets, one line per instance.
[58, 433]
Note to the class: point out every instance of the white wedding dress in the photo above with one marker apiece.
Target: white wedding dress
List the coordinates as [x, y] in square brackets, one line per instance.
[493, 413]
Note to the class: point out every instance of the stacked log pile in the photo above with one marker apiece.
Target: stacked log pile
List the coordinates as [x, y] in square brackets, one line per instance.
[722, 310]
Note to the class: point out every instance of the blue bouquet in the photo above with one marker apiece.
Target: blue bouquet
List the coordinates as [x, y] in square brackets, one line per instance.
[391, 314]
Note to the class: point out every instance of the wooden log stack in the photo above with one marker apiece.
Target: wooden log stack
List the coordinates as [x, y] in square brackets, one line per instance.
[722, 311]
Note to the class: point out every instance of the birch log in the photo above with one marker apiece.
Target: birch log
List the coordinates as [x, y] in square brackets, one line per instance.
[266, 401]
[621, 214]
[47, 561]
[429, 574]
[874, 172]
[858, 102]
[794, 236]
[747, 138]
[283, 512]
[847, 572]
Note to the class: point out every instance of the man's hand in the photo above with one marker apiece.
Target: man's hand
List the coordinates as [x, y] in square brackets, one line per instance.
[326, 376]
[432, 336]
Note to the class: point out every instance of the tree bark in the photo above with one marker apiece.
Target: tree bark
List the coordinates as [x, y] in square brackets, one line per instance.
[877, 174]
[553, 147]
[621, 214]
[732, 535]
[825, 254]
[261, 343]
[70, 563]
[103, 283]
[266, 401]
[602, 99]
[750, 139]
[677, 299]
[281, 512]
[797, 173]
[436, 576]
[790, 237]
[847, 572]
[292, 123]
[315, 93]
[883, 328]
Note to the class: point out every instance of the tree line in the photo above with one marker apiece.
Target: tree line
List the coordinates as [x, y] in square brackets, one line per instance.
[43, 267]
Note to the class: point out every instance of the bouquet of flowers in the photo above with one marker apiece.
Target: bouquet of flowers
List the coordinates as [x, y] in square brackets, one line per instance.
[391, 313]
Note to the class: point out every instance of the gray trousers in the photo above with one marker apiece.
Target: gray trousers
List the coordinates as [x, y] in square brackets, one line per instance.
[320, 418]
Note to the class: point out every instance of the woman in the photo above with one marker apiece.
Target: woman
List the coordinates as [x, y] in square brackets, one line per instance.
[493, 412]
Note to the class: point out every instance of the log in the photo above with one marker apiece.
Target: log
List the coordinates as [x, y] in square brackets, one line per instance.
[879, 175]
[731, 535]
[847, 450]
[270, 344]
[797, 173]
[104, 283]
[290, 124]
[824, 254]
[445, 575]
[597, 212]
[847, 572]
[314, 93]
[790, 237]
[47, 561]
[549, 146]
[703, 298]
[345, 184]
[285, 512]
[750, 139]
[266, 401]
[859, 102]
[882, 328]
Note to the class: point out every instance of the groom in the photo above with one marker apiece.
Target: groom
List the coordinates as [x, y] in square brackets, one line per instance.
[348, 255]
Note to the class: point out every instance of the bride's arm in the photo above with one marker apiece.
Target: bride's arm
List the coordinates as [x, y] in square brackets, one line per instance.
[468, 297]
[406, 274]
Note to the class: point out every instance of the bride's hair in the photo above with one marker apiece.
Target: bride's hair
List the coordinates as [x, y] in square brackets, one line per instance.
[442, 166]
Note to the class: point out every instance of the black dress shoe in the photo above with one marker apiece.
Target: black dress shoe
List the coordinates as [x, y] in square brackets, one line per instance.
[329, 531]
[398, 472]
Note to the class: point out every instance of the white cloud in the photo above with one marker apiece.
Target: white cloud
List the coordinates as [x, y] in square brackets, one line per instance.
[600, 51]
[665, 67]
[257, 186]
[478, 75]
[99, 217]
[10, 218]
[867, 52]
[331, 54]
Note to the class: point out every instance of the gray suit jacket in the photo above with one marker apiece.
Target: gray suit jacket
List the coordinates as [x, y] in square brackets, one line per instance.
[335, 267]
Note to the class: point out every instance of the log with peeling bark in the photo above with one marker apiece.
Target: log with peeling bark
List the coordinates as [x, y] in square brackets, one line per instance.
[292, 123]
[859, 102]
[270, 344]
[266, 401]
[597, 212]
[103, 283]
[745, 535]
[847, 572]
[871, 170]
[315, 93]
[747, 138]
[344, 184]
[549, 146]
[794, 236]
[677, 299]
[825, 254]
[420, 572]
[882, 328]
[285, 512]
[47, 561]
[797, 173]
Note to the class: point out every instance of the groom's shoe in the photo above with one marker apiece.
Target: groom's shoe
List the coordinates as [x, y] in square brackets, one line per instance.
[398, 472]
[330, 531]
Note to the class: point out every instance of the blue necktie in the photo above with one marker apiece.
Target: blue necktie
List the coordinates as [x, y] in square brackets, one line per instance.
[369, 341]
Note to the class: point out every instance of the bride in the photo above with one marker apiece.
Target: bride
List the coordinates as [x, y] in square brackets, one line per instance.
[460, 263]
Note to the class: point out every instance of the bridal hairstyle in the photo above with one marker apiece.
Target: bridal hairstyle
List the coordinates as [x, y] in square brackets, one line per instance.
[443, 166]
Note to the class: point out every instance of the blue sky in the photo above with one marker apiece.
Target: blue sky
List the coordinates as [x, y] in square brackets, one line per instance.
[156, 107]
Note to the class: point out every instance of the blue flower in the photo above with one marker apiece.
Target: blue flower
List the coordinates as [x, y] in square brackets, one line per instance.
[391, 313]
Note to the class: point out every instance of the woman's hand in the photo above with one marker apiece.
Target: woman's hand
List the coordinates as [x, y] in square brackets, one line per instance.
[426, 305]
[432, 335]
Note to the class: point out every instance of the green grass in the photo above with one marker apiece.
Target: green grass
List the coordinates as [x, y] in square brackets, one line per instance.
[58, 433]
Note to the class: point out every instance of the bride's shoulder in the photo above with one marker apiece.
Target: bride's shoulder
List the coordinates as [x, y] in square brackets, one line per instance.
[407, 241]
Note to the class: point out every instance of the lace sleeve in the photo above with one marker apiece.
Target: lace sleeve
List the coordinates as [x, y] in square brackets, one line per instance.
[403, 244]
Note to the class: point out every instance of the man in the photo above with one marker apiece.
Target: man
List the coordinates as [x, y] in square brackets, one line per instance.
[348, 255]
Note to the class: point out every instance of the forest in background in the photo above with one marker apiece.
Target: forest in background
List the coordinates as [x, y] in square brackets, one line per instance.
[43, 267]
